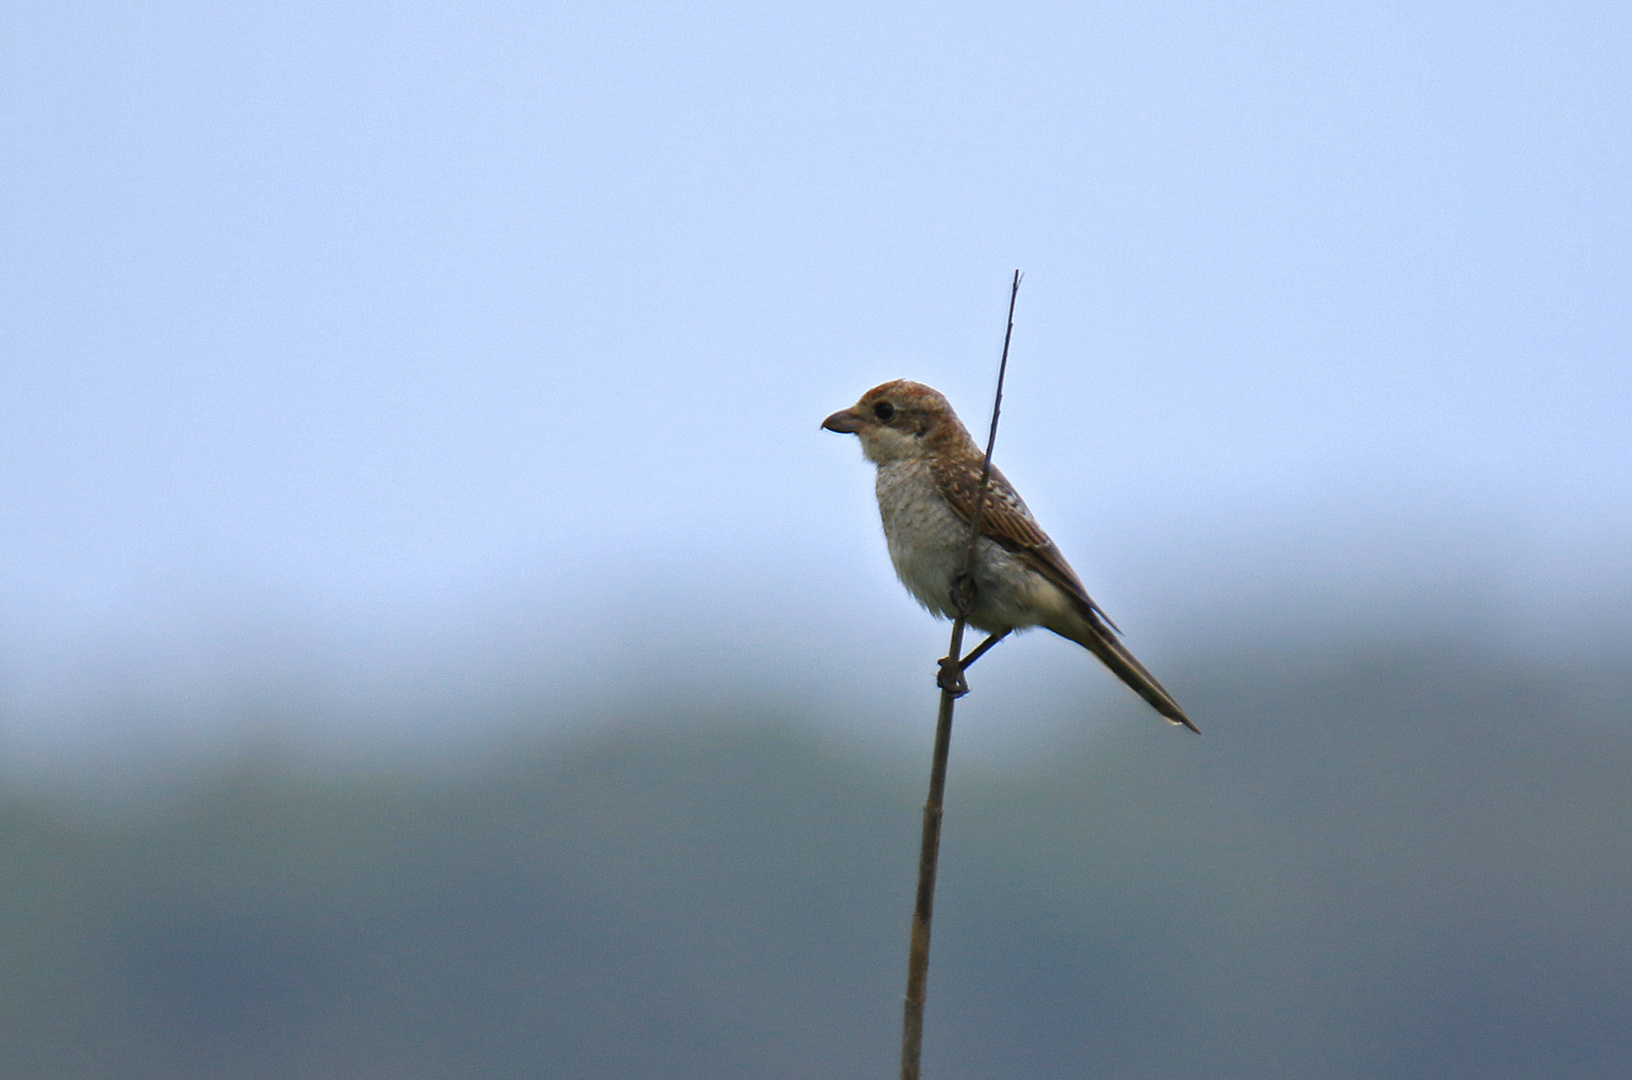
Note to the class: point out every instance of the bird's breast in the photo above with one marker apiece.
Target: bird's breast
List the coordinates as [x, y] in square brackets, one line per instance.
[928, 542]
[926, 537]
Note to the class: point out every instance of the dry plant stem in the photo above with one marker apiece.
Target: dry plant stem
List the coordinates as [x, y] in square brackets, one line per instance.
[912, 1026]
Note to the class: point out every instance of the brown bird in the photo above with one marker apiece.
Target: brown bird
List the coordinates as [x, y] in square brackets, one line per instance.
[928, 477]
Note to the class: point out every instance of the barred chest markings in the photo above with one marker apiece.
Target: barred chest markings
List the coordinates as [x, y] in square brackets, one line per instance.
[925, 537]
[927, 541]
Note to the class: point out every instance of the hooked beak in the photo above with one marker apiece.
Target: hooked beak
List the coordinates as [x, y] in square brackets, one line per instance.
[844, 422]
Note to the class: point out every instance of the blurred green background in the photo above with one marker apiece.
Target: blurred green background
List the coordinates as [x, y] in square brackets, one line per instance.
[1413, 861]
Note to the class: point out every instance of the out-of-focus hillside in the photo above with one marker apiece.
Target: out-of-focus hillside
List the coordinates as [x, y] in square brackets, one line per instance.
[1413, 862]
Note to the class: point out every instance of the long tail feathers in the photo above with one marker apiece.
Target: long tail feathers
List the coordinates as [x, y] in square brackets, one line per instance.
[1100, 640]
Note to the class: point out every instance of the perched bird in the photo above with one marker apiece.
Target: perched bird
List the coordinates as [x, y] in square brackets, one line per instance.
[928, 478]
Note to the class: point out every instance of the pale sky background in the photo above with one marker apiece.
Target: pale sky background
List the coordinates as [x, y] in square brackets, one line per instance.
[373, 365]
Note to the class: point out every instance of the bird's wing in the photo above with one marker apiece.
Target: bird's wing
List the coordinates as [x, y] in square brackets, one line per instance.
[1006, 520]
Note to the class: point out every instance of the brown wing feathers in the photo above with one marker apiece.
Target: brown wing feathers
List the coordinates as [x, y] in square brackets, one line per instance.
[1005, 519]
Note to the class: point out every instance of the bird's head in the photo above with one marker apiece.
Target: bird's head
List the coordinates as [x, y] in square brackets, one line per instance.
[900, 420]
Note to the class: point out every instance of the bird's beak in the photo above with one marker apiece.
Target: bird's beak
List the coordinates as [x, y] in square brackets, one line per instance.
[844, 422]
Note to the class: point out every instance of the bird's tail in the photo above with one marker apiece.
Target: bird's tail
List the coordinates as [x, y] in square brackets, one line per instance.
[1090, 631]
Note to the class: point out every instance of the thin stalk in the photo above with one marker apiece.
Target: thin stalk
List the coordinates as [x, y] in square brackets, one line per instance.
[929, 848]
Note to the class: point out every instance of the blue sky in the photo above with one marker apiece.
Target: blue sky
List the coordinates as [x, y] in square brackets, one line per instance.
[343, 336]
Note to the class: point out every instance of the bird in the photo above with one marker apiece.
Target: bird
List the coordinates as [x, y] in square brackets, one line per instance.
[929, 471]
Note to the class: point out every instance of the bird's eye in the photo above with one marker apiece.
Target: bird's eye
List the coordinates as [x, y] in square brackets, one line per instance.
[884, 411]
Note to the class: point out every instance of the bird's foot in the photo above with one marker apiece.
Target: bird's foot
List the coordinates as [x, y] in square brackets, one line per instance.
[950, 678]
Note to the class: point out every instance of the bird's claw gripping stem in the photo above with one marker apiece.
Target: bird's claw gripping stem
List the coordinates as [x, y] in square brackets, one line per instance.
[950, 677]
